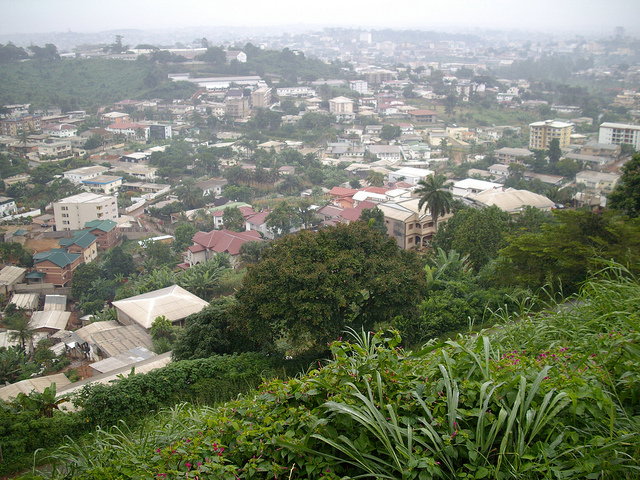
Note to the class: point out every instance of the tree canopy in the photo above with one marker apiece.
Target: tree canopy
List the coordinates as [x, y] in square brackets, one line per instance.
[310, 286]
[626, 194]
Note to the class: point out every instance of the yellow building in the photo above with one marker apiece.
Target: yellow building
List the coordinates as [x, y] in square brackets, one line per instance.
[542, 133]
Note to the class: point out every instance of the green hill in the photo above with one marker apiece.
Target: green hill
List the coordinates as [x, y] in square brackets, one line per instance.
[547, 395]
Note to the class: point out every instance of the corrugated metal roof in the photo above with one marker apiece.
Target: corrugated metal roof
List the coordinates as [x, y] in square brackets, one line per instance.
[130, 357]
[55, 302]
[52, 319]
[173, 302]
[28, 301]
[38, 384]
[10, 275]
[119, 340]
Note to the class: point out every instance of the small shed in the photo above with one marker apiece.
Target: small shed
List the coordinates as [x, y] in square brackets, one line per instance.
[26, 301]
[10, 276]
[55, 302]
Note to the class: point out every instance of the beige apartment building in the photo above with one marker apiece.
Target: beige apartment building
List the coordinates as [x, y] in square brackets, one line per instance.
[261, 98]
[543, 132]
[73, 212]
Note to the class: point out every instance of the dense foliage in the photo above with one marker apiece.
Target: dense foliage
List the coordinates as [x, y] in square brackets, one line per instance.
[310, 286]
[552, 395]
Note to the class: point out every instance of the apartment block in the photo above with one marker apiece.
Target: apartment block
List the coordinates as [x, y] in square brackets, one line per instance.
[73, 212]
[619, 133]
[542, 133]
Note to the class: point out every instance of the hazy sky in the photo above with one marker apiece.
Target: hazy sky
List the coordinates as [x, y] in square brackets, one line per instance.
[40, 16]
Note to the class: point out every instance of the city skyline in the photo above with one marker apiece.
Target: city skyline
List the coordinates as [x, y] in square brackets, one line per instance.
[44, 16]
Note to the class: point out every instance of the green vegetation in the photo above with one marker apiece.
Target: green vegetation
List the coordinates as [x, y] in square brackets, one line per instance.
[74, 84]
[553, 394]
[310, 286]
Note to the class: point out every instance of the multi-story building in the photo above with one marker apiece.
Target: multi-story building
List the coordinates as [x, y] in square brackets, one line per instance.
[57, 266]
[59, 149]
[60, 130]
[237, 107]
[409, 225]
[7, 206]
[543, 132]
[107, 184]
[83, 243]
[13, 126]
[360, 86]
[299, 92]
[342, 108]
[508, 155]
[261, 98]
[619, 133]
[106, 231]
[73, 212]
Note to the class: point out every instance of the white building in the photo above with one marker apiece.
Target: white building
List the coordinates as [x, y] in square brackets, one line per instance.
[59, 130]
[107, 184]
[73, 212]
[472, 186]
[360, 86]
[79, 175]
[7, 206]
[619, 133]
[410, 175]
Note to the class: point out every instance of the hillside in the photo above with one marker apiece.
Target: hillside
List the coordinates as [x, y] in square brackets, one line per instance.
[552, 394]
[80, 83]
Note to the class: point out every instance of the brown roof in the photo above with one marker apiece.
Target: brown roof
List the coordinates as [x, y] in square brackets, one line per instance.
[225, 240]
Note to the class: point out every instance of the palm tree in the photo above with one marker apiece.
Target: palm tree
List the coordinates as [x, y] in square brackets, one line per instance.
[435, 196]
[375, 179]
[19, 329]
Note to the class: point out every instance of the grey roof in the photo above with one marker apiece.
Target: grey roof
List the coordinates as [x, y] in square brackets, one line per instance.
[10, 275]
[512, 200]
[119, 340]
[51, 319]
[38, 384]
[28, 301]
[55, 302]
[124, 359]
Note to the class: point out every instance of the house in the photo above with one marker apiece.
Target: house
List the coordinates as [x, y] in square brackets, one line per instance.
[106, 184]
[601, 181]
[83, 243]
[174, 303]
[238, 55]
[59, 149]
[499, 169]
[422, 116]
[37, 384]
[79, 175]
[60, 130]
[7, 206]
[511, 200]
[115, 118]
[106, 232]
[207, 244]
[258, 222]
[108, 339]
[410, 226]
[26, 301]
[130, 130]
[508, 155]
[212, 187]
[391, 153]
[73, 212]
[57, 265]
[471, 186]
[50, 321]
[410, 175]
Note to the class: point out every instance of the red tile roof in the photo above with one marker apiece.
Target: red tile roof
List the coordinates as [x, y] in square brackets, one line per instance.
[225, 240]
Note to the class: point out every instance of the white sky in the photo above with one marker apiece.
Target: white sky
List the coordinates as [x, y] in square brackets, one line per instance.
[41, 16]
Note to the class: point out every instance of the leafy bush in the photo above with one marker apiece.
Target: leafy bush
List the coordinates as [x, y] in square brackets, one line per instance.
[553, 395]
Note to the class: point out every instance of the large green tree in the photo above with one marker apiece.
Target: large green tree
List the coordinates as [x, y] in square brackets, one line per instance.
[626, 194]
[233, 219]
[564, 253]
[478, 233]
[435, 195]
[310, 286]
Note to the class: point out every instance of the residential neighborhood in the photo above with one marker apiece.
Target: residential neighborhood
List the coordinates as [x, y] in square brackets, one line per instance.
[219, 169]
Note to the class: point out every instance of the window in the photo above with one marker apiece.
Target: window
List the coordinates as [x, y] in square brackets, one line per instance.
[411, 226]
